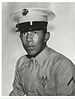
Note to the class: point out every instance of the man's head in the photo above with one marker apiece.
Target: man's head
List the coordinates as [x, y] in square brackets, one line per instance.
[34, 41]
[32, 24]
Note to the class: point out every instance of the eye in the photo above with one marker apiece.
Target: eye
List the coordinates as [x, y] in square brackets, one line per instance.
[35, 32]
[24, 33]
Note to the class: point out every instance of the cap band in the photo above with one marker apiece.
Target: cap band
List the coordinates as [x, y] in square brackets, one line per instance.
[36, 25]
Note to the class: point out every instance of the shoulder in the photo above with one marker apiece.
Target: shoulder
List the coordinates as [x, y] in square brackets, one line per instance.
[56, 56]
[59, 61]
[62, 63]
[22, 60]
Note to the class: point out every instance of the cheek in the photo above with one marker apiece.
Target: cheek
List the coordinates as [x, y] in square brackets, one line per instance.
[36, 38]
[23, 39]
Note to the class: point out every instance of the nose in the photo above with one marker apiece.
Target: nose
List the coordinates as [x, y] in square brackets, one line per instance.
[29, 36]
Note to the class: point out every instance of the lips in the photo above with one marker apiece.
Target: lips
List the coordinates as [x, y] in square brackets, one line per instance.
[30, 47]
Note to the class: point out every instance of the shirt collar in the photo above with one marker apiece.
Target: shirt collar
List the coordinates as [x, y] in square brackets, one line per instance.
[41, 58]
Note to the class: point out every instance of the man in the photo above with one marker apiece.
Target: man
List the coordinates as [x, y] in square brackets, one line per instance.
[43, 71]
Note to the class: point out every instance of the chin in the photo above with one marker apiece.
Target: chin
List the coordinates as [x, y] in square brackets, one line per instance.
[32, 54]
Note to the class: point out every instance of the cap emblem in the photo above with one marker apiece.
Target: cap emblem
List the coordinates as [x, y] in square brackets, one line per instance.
[24, 12]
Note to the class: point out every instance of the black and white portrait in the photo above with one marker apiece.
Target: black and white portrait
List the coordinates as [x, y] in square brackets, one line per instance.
[38, 49]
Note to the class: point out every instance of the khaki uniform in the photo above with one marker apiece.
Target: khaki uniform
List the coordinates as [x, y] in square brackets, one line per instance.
[48, 74]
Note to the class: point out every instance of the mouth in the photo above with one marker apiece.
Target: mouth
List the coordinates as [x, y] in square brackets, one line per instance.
[30, 47]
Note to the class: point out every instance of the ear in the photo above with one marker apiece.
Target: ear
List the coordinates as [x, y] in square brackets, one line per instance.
[47, 36]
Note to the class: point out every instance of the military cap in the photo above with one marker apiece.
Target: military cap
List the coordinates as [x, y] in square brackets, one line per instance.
[32, 18]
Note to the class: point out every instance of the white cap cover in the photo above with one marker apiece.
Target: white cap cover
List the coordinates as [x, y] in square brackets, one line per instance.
[32, 14]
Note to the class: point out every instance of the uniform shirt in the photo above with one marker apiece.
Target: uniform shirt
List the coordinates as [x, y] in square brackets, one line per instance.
[48, 74]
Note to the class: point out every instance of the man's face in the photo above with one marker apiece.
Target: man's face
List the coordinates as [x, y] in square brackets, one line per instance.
[33, 41]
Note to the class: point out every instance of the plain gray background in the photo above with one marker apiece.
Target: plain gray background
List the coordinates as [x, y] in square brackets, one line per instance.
[62, 38]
